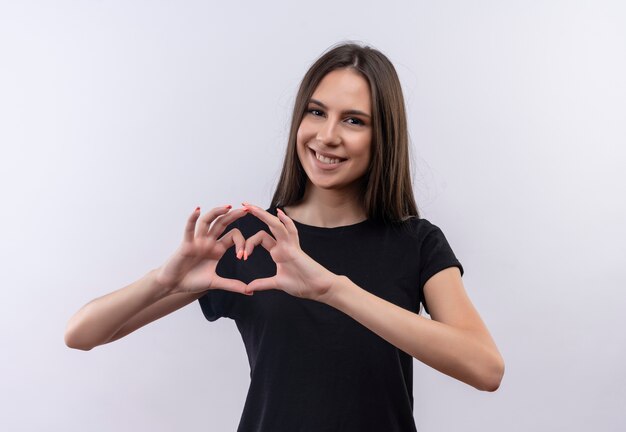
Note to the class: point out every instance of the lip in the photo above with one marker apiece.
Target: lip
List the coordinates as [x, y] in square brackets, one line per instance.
[323, 166]
[328, 155]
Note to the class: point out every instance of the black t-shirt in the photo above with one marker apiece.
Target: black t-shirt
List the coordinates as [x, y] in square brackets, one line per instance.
[312, 367]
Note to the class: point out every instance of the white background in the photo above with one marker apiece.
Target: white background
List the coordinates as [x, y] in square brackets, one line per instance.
[117, 118]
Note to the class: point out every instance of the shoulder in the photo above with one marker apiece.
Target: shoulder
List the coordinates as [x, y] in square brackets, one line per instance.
[417, 228]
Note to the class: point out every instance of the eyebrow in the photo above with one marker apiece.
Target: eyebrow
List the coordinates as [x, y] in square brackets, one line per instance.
[353, 111]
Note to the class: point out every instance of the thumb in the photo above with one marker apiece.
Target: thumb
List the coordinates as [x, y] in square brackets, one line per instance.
[262, 284]
[232, 285]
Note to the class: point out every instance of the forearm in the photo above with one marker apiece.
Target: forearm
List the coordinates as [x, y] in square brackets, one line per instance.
[98, 321]
[453, 351]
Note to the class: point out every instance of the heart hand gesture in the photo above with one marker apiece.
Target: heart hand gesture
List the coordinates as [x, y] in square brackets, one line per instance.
[296, 273]
[192, 267]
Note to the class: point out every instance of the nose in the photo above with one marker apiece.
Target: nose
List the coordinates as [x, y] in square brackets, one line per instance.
[327, 134]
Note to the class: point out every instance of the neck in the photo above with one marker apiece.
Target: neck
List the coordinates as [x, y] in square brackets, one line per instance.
[328, 208]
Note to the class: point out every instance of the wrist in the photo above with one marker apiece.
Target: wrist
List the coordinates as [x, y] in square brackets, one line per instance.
[161, 287]
[338, 282]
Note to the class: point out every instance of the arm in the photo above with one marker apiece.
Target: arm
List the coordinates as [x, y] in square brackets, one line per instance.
[121, 312]
[185, 277]
[455, 342]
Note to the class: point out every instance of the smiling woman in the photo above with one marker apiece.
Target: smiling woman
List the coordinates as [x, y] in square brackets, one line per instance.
[334, 138]
[328, 307]
[350, 99]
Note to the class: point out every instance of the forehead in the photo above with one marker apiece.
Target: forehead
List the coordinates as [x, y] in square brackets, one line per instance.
[344, 89]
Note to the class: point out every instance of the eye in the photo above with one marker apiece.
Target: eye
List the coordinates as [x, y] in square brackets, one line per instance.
[315, 112]
[355, 121]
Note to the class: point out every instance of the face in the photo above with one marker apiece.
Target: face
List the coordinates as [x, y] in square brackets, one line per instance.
[335, 136]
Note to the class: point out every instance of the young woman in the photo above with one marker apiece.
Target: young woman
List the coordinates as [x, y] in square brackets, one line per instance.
[325, 286]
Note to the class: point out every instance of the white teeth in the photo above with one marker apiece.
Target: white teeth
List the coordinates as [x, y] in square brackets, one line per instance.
[326, 160]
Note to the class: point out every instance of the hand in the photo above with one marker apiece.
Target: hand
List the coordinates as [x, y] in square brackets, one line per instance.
[192, 267]
[296, 273]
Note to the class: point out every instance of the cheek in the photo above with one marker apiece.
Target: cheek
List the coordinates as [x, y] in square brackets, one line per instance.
[300, 140]
[304, 132]
[300, 144]
[365, 148]
[299, 135]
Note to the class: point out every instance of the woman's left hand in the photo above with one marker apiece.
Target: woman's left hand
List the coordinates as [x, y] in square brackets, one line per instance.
[296, 273]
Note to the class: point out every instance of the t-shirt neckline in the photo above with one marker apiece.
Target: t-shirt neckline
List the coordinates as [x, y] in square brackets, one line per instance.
[327, 230]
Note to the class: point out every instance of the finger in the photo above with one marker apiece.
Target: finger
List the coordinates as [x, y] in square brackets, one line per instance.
[286, 220]
[208, 218]
[223, 221]
[263, 284]
[261, 238]
[191, 225]
[274, 224]
[233, 237]
[232, 285]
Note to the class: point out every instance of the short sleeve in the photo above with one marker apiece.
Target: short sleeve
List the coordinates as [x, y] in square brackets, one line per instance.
[217, 303]
[435, 255]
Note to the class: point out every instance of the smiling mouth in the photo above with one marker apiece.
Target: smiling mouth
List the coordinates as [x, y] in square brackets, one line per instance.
[327, 160]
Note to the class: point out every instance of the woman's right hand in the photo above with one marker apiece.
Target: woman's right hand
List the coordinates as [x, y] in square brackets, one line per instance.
[192, 267]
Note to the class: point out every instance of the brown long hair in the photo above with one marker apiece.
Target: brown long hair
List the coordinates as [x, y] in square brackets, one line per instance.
[387, 191]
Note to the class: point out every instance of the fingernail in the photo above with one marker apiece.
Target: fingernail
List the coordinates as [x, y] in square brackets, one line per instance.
[239, 254]
[246, 209]
[245, 255]
[197, 208]
[249, 293]
[228, 206]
